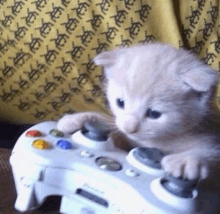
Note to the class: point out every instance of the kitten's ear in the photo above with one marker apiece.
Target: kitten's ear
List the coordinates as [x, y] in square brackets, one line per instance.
[107, 58]
[201, 80]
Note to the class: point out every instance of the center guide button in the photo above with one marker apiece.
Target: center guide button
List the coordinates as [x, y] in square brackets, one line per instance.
[108, 164]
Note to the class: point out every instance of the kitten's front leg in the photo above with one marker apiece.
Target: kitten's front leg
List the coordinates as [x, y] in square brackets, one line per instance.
[73, 122]
[192, 164]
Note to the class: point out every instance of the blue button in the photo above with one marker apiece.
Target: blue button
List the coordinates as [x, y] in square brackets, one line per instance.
[64, 144]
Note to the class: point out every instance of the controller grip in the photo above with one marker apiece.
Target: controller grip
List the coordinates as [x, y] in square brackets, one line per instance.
[25, 198]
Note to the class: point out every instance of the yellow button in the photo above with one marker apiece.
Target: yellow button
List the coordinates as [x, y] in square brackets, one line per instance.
[40, 144]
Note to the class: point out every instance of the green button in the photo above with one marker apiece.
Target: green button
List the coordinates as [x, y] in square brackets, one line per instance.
[56, 133]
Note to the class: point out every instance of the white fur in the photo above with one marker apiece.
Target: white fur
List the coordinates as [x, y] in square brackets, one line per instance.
[173, 82]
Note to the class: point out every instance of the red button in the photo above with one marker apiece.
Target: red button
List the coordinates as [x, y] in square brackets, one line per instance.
[33, 133]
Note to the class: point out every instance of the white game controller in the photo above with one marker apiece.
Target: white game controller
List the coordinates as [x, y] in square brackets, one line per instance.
[93, 176]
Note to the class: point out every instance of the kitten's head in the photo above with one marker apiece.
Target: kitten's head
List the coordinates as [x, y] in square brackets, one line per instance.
[156, 91]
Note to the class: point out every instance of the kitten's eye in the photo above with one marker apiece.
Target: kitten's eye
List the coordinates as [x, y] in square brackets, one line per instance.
[120, 103]
[153, 114]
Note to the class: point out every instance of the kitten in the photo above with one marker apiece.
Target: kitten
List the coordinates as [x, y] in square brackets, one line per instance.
[161, 97]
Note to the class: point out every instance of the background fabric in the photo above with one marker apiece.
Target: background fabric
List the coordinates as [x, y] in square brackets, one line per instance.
[47, 47]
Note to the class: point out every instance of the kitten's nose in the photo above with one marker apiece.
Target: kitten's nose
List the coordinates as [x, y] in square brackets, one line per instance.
[131, 124]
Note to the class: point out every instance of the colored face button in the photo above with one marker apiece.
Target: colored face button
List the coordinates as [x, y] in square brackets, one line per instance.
[40, 144]
[56, 133]
[64, 144]
[33, 133]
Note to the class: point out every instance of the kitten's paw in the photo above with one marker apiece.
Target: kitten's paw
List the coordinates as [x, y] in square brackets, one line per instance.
[74, 122]
[187, 165]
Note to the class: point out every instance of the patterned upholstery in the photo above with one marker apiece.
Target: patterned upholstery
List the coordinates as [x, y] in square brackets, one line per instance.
[47, 47]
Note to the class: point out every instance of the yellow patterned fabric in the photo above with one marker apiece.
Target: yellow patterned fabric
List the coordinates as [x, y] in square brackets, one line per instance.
[47, 47]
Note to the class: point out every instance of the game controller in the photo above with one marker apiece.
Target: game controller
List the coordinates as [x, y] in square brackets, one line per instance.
[93, 176]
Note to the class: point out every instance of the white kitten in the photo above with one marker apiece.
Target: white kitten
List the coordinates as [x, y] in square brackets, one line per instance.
[161, 97]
